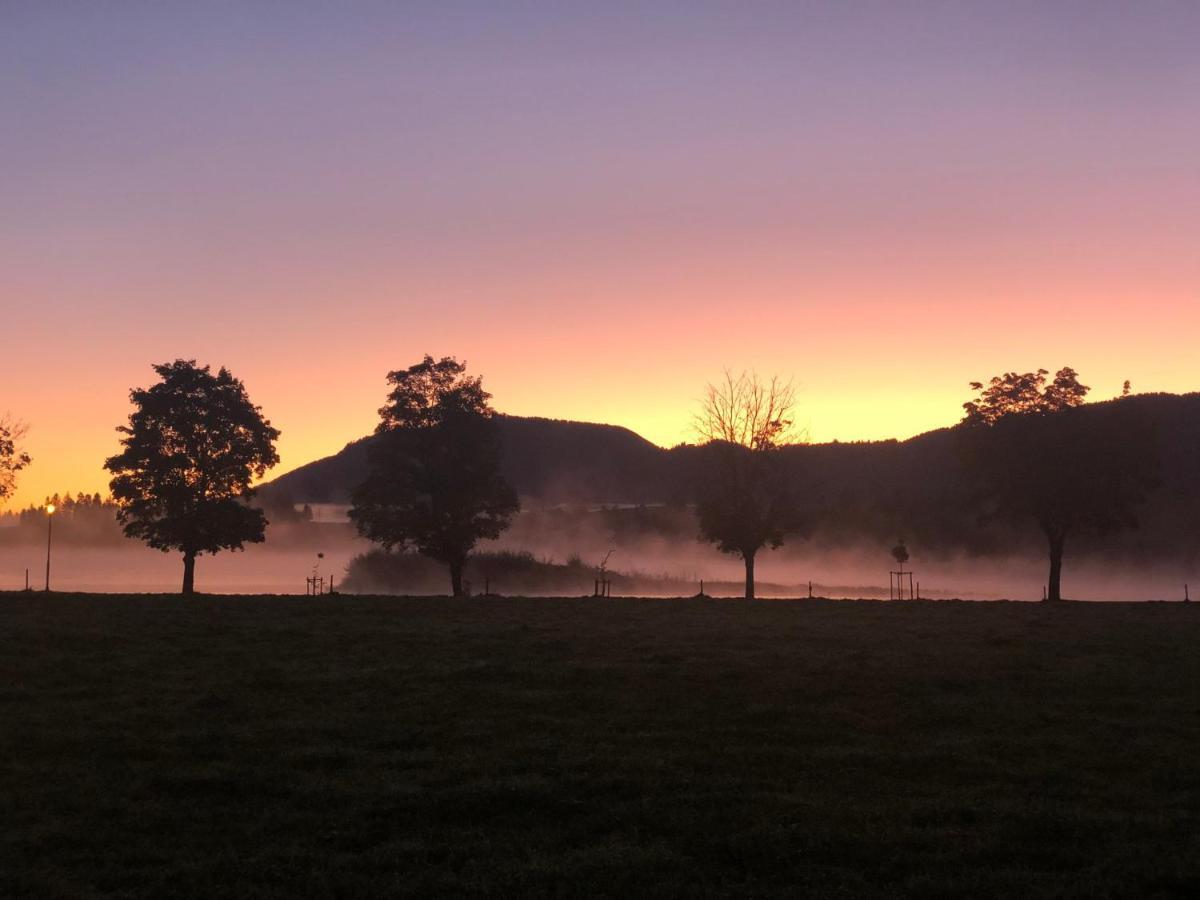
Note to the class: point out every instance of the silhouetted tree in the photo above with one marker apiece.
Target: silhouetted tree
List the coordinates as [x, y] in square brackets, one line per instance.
[1024, 393]
[1035, 454]
[744, 499]
[193, 445]
[12, 458]
[434, 481]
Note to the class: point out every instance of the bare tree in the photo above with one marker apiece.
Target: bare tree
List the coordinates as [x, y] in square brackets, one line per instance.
[744, 499]
[748, 411]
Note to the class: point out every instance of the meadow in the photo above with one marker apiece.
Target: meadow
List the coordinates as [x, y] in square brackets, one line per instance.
[152, 746]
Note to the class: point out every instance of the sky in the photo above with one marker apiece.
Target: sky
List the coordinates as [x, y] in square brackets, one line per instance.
[600, 207]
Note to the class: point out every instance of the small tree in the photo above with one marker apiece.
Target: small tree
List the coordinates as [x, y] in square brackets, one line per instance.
[12, 457]
[193, 445]
[744, 499]
[1037, 456]
[434, 481]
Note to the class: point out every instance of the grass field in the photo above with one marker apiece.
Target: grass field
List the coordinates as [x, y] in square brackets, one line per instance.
[352, 747]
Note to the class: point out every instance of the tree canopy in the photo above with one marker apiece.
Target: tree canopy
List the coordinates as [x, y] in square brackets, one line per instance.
[434, 482]
[1025, 393]
[192, 449]
[428, 393]
[12, 457]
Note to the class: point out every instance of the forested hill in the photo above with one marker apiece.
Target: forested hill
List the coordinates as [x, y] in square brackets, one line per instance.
[874, 491]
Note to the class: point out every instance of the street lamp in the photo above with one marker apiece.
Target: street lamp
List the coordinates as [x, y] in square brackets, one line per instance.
[50, 507]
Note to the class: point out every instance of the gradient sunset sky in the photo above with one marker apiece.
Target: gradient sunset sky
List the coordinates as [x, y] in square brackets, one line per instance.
[599, 206]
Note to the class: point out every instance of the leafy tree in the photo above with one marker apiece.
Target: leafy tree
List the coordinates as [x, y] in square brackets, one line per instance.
[744, 499]
[1037, 455]
[193, 445]
[1024, 393]
[12, 458]
[434, 481]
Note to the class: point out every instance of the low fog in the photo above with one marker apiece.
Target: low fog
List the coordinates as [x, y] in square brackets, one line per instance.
[287, 558]
[853, 571]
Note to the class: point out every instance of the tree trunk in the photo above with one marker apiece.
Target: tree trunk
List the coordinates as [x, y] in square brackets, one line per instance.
[456, 584]
[1054, 588]
[189, 572]
[749, 558]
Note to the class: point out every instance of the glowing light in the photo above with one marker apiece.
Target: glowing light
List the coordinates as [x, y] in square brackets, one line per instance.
[50, 508]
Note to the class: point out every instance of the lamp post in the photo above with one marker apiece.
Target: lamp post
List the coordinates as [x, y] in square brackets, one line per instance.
[50, 507]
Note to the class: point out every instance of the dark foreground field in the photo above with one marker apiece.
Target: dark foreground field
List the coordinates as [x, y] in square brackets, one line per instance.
[351, 747]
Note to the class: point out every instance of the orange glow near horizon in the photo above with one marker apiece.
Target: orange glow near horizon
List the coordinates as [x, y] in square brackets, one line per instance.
[899, 376]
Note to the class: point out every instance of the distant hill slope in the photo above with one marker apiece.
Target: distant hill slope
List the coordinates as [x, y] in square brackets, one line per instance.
[875, 491]
[551, 460]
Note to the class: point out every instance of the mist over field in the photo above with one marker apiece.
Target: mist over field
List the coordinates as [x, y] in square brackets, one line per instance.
[860, 572]
[272, 568]
[664, 566]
